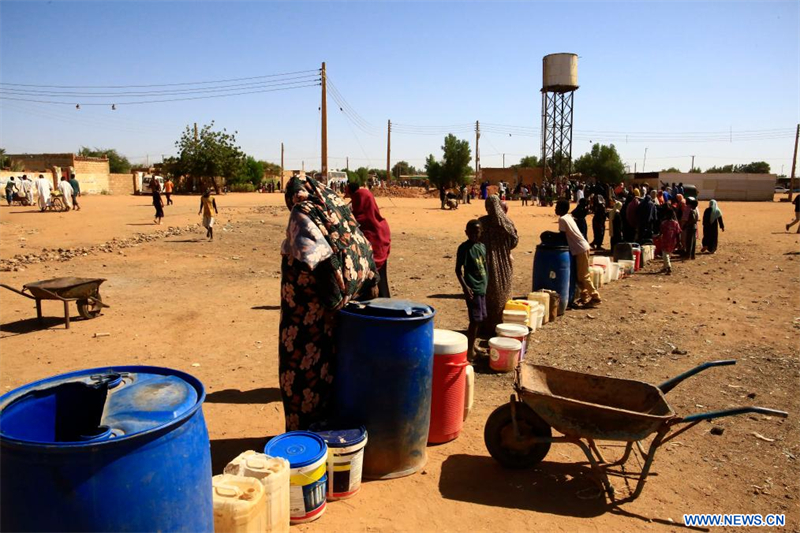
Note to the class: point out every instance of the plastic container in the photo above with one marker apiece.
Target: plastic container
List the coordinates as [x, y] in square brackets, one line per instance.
[514, 331]
[384, 381]
[544, 299]
[273, 473]
[539, 318]
[345, 460]
[119, 448]
[551, 270]
[307, 454]
[555, 304]
[637, 259]
[601, 260]
[648, 252]
[515, 317]
[239, 504]
[449, 382]
[613, 271]
[596, 274]
[519, 305]
[623, 250]
[469, 391]
[504, 353]
[627, 266]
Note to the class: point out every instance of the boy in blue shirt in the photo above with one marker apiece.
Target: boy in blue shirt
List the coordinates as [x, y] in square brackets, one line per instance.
[471, 273]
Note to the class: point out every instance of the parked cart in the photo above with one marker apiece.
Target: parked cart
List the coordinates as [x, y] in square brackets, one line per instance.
[84, 291]
[586, 408]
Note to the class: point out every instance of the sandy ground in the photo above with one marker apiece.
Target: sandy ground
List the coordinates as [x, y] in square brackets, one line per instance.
[180, 301]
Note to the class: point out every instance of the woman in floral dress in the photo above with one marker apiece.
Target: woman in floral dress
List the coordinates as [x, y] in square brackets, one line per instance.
[326, 262]
[499, 235]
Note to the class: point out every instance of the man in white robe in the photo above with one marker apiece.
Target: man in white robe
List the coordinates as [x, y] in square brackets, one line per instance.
[27, 189]
[66, 193]
[43, 188]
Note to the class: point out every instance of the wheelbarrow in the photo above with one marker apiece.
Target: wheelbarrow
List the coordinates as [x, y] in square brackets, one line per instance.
[84, 291]
[585, 408]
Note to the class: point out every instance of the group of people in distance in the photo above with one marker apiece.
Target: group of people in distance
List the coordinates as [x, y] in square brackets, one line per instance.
[28, 192]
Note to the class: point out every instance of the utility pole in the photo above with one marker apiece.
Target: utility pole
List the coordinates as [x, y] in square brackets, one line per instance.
[794, 163]
[477, 150]
[692, 167]
[388, 150]
[324, 109]
[348, 163]
[504, 160]
[281, 166]
[195, 132]
[645, 159]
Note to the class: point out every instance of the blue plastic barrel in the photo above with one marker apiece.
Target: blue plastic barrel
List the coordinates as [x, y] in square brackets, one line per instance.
[107, 449]
[551, 270]
[383, 381]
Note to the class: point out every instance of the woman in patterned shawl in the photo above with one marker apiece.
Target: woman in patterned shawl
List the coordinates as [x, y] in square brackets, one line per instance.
[326, 262]
[500, 237]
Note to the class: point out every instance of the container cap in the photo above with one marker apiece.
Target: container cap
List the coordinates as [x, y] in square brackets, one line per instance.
[505, 343]
[342, 438]
[511, 330]
[446, 342]
[300, 448]
[390, 308]
[102, 404]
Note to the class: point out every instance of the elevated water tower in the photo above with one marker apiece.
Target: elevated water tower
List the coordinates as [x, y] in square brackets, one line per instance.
[560, 81]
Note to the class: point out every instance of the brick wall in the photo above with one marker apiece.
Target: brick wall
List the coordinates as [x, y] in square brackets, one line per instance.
[41, 162]
[120, 184]
[92, 174]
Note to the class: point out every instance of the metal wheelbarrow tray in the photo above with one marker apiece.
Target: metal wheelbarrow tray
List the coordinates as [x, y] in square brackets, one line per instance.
[584, 408]
[84, 291]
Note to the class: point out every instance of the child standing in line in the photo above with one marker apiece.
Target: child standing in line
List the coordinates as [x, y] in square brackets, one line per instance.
[579, 248]
[206, 205]
[471, 273]
[670, 235]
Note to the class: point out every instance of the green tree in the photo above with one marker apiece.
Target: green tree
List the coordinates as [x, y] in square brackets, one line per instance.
[602, 162]
[695, 170]
[723, 169]
[670, 169]
[214, 154]
[756, 167]
[252, 171]
[454, 169]
[402, 168]
[559, 164]
[272, 170]
[359, 175]
[529, 161]
[378, 173]
[117, 163]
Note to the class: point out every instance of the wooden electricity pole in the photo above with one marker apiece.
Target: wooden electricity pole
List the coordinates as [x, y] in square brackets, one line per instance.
[195, 132]
[281, 166]
[477, 149]
[324, 109]
[348, 163]
[794, 163]
[692, 167]
[388, 150]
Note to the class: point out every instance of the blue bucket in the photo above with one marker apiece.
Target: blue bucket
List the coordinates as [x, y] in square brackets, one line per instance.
[108, 449]
[307, 454]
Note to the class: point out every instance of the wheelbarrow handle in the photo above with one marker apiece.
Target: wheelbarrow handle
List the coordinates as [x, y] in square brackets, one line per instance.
[733, 412]
[672, 383]
[26, 295]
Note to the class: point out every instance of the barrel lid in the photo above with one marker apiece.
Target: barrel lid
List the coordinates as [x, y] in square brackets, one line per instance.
[300, 448]
[447, 342]
[511, 330]
[390, 308]
[505, 343]
[93, 406]
[342, 438]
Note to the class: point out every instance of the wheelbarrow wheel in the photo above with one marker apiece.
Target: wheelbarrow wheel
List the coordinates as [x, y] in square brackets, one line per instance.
[516, 451]
[88, 309]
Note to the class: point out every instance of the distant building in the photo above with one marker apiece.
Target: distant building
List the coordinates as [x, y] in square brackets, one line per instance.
[512, 176]
[731, 186]
[92, 172]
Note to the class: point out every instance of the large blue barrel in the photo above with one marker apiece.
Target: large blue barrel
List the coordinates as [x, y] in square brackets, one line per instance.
[383, 381]
[551, 270]
[107, 449]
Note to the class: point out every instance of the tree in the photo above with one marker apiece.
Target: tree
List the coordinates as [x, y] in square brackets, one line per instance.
[603, 163]
[402, 168]
[214, 154]
[378, 173]
[723, 169]
[455, 168]
[670, 169]
[756, 167]
[252, 171]
[559, 164]
[4, 161]
[695, 170]
[117, 163]
[359, 175]
[529, 161]
[272, 170]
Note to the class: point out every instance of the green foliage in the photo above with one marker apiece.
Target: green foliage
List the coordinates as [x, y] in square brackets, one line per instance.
[242, 187]
[559, 164]
[695, 170]
[117, 163]
[214, 154]
[252, 171]
[271, 169]
[4, 161]
[359, 175]
[529, 161]
[402, 168]
[756, 167]
[455, 168]
[670, 169]
[378, 173]
[603, 163]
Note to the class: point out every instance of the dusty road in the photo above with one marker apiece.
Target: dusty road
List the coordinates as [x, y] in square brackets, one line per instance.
[178, 301]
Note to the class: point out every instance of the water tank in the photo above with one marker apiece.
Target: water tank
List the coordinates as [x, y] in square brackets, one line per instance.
[560, 72]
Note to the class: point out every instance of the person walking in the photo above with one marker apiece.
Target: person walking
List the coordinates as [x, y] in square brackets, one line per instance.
[43, 188]
[712, 223]
[499, 236]
[208, 207]
[168, 186]
[599, 216]
[158, 202]
[690, 219]
[27, 189]
[796, 203]
[670, 232]
[76, 191]
[375, 228]
[66, 193]
[11, 190]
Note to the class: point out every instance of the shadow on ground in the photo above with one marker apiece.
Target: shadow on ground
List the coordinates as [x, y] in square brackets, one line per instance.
[224, 451]
[264, 396]
[29, 325]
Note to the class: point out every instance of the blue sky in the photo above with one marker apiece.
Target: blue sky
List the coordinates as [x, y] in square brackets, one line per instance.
[670, 69]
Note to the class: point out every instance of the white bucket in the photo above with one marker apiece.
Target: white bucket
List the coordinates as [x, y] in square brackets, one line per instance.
[345, 461]
[515, 317]
[504, 353]
[514, 331]
[544, 300]
[613, 271]
[627, 266]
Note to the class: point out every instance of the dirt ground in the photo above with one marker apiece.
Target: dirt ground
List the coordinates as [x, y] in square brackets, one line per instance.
[211, 309]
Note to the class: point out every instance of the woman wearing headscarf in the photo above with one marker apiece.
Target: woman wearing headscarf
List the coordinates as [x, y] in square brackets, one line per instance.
[499, 236]
[615, 223]
[712, 223]
[647, 215]
[599, 216]
[375, 228]
[326, 262]
[631, 217]
[579, 214]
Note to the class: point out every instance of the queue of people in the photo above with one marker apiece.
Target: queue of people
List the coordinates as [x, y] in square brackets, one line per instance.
[40, 192]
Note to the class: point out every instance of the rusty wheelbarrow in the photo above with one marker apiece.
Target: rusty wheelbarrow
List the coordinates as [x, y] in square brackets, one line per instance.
[84, 291]
[585, 408]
